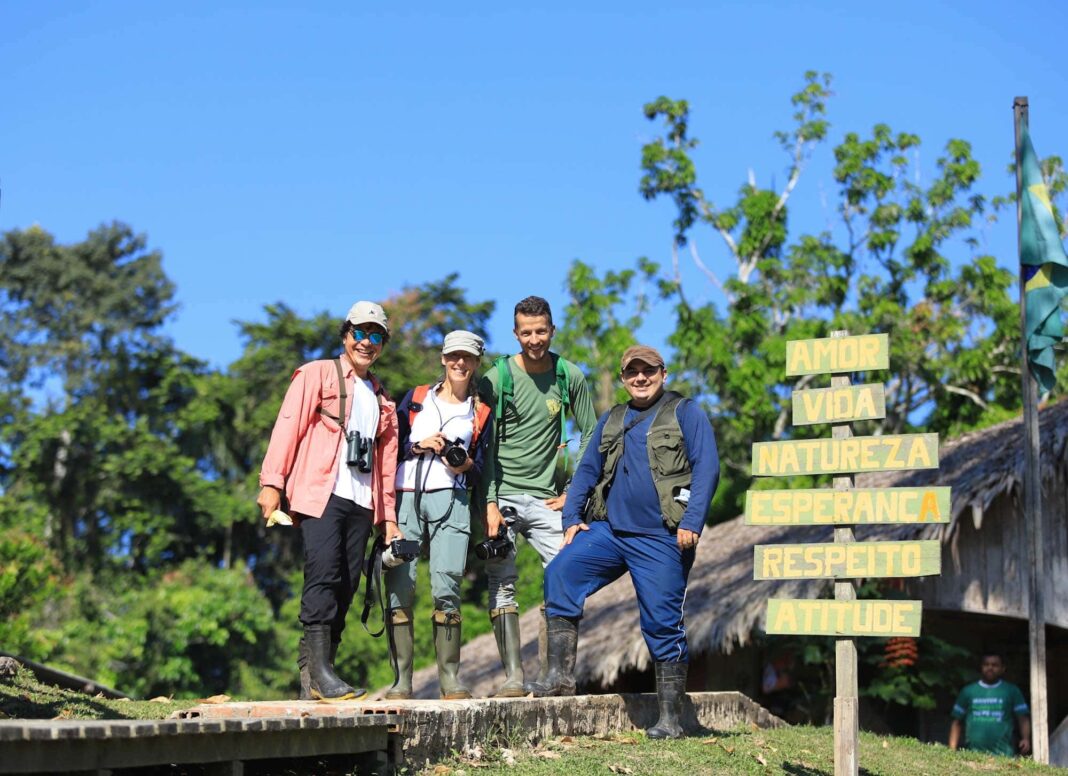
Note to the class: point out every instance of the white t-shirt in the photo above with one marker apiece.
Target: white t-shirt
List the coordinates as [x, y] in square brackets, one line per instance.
[351, 483]
[454, 421]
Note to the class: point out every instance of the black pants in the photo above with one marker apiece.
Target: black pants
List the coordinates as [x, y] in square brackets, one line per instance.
[334, 546]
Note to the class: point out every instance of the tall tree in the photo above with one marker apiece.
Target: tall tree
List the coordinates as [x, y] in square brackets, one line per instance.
[905, 258]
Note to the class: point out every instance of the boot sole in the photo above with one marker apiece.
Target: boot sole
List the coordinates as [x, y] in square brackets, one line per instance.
[456, 696]
[398, 696]
[349, 696]
[511, 693]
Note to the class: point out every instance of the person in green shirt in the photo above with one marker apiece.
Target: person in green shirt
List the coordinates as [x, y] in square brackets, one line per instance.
[535, 388]
[986, 709]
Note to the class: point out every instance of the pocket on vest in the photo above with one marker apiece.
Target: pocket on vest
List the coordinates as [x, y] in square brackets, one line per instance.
[667, 453]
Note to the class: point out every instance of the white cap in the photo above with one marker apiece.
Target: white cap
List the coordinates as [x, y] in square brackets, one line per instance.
[466, 341]
[368, 312]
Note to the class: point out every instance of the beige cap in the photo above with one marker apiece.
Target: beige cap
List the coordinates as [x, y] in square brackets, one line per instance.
[368, 312]
[466, 341]
[641, 353]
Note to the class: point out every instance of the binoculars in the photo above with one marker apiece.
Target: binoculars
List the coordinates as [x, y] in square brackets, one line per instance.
[359, 451]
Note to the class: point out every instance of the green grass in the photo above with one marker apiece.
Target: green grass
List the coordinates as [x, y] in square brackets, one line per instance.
[23, 697]
[797, 751]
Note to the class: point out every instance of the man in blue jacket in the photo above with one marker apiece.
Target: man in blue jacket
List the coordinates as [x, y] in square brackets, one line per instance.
[637, 503]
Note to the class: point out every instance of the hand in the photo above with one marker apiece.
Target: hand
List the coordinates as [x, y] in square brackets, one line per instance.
[494, 520]
[557, 504]
[434, 443]
[572, 532]
[269, 500]
[391, 531]
[1025, 746]
[686, 539]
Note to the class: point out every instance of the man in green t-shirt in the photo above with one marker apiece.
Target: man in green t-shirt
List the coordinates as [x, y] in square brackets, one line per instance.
[987, 708]
[528, 440]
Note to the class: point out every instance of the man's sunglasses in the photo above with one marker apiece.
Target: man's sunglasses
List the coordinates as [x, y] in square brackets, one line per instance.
[376, 337]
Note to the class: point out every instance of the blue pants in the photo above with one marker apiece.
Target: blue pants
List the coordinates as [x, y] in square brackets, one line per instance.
[658, 569]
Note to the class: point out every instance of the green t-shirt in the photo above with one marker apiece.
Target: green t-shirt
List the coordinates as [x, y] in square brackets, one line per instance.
[526, 455]
[988, 712]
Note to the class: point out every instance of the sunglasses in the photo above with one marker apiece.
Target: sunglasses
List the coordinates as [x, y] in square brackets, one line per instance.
[631, 373]
[376, 337]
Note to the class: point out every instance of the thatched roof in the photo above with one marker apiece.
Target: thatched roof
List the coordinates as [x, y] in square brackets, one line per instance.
[725, 604]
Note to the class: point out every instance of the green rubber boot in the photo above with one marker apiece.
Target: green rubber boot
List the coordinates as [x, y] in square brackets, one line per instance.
[447, 647]
[402, 641]
[506, 631]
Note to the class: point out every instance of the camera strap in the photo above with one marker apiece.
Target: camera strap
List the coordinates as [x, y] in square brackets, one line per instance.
[420, 483]
[375, 589]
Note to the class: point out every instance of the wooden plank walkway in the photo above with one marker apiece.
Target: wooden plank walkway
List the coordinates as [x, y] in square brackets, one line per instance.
[59, 746]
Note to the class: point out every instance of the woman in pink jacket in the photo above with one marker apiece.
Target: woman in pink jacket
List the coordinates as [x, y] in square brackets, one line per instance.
[333, 451]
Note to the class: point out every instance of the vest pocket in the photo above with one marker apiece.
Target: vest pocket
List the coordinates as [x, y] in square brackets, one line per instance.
[667, 453]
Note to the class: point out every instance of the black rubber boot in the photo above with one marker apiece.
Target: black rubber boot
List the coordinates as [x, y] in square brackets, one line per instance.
[447, 648]
[670, 690]
[562, 642]
[323, 683]
[543, 655]
[305, 677]
[506, 631]
[402, 641]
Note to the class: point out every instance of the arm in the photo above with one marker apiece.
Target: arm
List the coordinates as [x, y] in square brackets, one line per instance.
[295, 416]
[703, 455]
[955, 728]
[387, 451]
[586, 476]
[1025, 733]
[581, 408]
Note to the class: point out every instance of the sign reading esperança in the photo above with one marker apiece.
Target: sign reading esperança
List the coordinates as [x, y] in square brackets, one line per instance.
[847, 561]
[837, 354]
[889, 452]
[821, 617]
[820, 506]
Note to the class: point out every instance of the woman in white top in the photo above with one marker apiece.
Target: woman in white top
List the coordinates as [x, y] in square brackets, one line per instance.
[445, 433]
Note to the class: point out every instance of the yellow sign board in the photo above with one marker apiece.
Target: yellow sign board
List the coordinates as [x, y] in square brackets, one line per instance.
[889, 452]
[837, 354]
[839, 405]
[821, 506]
[822, 617]
[854, 560]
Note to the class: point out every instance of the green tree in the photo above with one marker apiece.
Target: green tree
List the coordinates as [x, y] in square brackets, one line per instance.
[905, 259]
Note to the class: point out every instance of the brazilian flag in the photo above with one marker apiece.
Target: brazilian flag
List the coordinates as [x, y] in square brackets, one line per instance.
[1044, 267]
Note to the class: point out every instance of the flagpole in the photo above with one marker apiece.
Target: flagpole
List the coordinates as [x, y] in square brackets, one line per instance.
[1032, 504]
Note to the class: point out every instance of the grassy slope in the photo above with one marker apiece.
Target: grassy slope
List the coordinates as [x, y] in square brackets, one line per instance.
[798, 751]
[23, 697]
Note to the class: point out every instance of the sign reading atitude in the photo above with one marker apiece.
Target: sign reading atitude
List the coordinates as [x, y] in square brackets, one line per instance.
[839, 405]
[819, 506]
[837, 354]
[847, 561]
[890, 452]
[822, 617]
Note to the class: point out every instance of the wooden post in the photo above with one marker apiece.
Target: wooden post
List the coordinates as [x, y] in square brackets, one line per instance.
[846, 719]
[1032, 503]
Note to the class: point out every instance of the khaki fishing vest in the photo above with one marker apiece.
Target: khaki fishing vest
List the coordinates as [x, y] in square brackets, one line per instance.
[667, 460]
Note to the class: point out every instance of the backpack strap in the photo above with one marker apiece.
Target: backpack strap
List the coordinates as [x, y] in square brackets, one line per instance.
[481, 416]
[416, 405]
[505, 390]
[342, 395]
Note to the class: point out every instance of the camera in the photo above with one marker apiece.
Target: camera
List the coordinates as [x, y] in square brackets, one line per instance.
[358, 451]
[500, 545]
[399, 552]
[454, 453]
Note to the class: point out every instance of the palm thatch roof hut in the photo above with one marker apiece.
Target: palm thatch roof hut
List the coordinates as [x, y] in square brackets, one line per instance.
[984, 573]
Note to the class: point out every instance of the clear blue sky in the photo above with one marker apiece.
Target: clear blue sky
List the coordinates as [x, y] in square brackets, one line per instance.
[318, 156]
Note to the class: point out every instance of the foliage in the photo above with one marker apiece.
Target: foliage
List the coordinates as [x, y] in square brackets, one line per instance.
[905, 258]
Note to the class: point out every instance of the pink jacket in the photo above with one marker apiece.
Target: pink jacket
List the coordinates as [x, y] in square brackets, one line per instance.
[302, 457]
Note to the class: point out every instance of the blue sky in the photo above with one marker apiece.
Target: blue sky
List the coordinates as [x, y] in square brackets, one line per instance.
[320, 156]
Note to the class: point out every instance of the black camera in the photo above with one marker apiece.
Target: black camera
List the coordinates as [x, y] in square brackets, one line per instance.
[358, 451]
[455, 453]
[398, 552]
[500, 545]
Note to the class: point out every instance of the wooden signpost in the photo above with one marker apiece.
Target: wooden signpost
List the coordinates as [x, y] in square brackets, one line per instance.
[842, 507]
